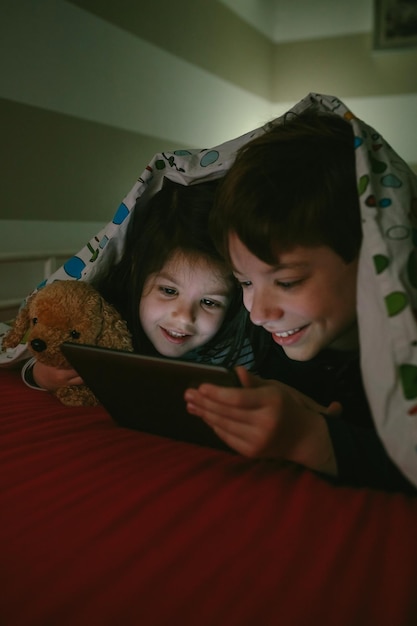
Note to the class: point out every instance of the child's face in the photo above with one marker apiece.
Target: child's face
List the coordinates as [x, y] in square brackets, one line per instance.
[183, 306]
[307, 301]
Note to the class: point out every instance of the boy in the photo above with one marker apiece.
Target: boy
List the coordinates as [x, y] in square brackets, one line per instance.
[288, 221]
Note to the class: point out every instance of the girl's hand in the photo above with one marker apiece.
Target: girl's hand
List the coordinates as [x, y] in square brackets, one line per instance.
[267, 419]
[51, 378]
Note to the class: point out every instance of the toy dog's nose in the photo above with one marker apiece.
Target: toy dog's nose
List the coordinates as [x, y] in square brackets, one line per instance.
[38, 345]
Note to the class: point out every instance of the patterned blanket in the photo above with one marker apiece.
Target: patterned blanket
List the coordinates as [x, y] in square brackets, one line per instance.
[387, 278]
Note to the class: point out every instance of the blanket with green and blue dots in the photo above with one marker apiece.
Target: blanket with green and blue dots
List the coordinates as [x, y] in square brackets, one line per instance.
[387, 276]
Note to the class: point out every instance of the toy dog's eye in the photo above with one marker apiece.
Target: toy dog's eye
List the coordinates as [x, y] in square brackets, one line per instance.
[75, 334]
[34, 321]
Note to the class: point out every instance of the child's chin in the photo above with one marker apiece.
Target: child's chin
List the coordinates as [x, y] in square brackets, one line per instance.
[302, 351]
[298, 353]
[173, 352]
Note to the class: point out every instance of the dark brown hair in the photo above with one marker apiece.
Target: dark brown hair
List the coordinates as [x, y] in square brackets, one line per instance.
[293, 185]
[175, 219]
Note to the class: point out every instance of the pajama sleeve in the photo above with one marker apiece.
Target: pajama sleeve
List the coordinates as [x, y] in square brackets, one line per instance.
[362, 459]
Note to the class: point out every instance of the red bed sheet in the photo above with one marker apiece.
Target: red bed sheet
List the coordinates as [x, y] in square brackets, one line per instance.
[102, 525]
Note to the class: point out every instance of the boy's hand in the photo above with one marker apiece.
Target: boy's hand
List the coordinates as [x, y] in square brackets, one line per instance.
[51, 378]
[267, 419]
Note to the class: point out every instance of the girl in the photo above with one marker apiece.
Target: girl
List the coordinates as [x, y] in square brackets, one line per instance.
[171, 286]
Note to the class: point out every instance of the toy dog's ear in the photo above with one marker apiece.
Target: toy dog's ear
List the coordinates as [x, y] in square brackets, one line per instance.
[114, 332]
[20, 326]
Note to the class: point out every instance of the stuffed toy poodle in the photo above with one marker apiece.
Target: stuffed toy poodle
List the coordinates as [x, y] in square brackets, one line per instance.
[71, 311]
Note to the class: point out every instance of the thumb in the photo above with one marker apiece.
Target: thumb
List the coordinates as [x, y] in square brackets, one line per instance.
[334, 409]
[246, 378]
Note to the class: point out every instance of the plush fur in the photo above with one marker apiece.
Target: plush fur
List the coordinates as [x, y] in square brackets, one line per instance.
[67, 311]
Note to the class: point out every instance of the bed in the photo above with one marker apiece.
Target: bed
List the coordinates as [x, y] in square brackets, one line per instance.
[103, 525]
[100, 525]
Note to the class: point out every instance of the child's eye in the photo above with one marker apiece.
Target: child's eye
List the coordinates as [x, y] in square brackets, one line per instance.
[210, 304]
[245, 284]
[288, 284]
[168, 291]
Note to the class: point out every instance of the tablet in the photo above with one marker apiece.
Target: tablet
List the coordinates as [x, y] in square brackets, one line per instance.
[147, 393]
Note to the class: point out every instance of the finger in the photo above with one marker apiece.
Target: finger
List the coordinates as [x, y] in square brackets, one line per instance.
[243, 437]
[236, 433]
[247, 379]
[210, 395]
[207, 407]
[234, 441]
[228, 401]
[77, 380]
[68, 377]
[71, 373]
[334, 409]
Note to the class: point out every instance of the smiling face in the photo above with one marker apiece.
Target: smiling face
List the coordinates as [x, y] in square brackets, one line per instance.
[307, 301]
[184, 304]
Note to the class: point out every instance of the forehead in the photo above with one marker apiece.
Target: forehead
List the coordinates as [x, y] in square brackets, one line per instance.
[241, 256]
[181, 260]
[298, 258]
[188, 266]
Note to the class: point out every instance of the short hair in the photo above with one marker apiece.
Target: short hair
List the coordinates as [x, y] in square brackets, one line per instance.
[293, 185]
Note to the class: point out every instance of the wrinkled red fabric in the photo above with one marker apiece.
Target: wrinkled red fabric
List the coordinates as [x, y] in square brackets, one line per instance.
[102, 525]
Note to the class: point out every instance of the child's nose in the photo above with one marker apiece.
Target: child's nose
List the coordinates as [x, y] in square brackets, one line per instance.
[264, 309]
[185, 312]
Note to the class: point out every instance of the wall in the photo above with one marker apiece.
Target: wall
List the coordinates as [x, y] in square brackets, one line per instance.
[379, 86]
[87, 102]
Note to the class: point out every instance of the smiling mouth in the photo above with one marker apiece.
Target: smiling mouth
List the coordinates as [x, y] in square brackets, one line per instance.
[287, 333]
[175, 334]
